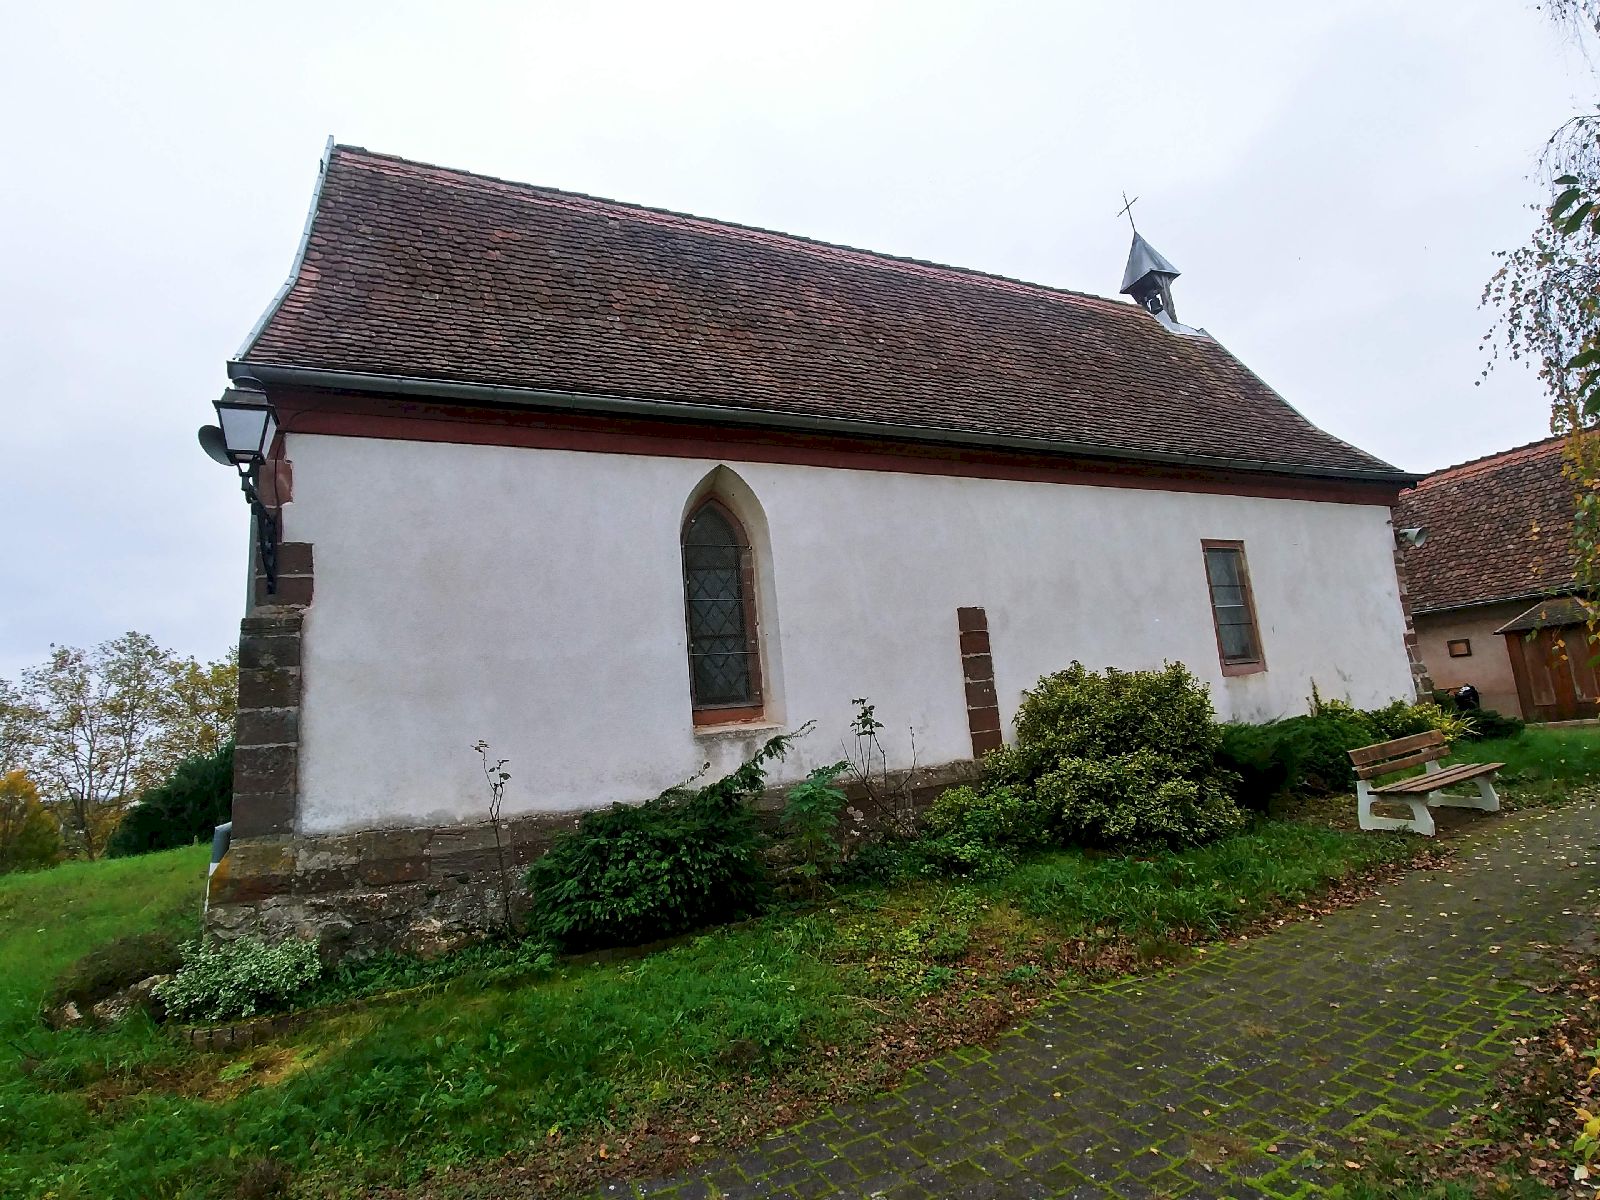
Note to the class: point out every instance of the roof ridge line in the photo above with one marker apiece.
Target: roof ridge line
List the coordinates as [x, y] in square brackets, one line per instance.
[1487, 458]
[799, 240]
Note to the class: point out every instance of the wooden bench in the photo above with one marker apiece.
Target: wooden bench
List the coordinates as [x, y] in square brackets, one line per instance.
[1419, 750]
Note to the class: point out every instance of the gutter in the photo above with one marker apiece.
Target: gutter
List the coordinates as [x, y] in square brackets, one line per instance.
[1525, 597]
[521, 397]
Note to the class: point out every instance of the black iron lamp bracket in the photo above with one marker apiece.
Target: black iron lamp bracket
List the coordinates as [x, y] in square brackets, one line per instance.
[266, 531]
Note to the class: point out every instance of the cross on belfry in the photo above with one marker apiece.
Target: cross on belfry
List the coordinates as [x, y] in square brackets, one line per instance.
[1127, 208]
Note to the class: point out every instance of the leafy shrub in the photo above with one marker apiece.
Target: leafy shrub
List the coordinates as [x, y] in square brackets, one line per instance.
[635, 873]
[1004, 815]
[1123, 758]
[30, 838]
[1078, 713]
[957, 853]
[224, 980]
[1138, 800]
[1252, 752]
[1486, 723]
[1312, 753]
[1397, 719]
[117, 964]
[882, 860]
[185, 809]
[812, 819]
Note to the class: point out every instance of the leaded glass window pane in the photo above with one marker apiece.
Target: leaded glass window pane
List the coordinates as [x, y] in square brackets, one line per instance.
[715, 563]
[1230, 602]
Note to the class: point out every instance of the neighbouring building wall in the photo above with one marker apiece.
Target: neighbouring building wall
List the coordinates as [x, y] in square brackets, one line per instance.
[1488, 668]
[534, 598]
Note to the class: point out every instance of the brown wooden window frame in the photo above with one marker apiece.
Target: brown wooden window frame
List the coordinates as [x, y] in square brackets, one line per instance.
[755, 709]
[1459, 647]
[1239, 666]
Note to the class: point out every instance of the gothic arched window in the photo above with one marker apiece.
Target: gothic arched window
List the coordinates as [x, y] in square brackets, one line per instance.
[719, 595]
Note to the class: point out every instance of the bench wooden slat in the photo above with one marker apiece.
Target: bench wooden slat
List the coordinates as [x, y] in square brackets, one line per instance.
[1438, 779]
[1397, 748]
[1389, 766]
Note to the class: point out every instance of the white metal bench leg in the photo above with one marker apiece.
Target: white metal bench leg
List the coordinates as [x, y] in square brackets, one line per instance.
[1487, 799]
[1421, 819]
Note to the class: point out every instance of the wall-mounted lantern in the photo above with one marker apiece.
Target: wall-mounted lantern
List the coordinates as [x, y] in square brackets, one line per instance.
[242, 438]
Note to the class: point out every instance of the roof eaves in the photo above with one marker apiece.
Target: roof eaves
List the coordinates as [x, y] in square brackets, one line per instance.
[523, 397]
[1436, 610]
[299, 256]
[1284, 400]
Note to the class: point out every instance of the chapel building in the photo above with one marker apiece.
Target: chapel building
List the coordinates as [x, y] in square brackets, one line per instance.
[623, 491]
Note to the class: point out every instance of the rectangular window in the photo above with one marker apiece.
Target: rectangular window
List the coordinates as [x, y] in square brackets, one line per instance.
[1233, 608]
[1459, 647]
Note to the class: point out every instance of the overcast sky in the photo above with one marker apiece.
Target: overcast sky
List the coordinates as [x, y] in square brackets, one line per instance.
[1332, 179]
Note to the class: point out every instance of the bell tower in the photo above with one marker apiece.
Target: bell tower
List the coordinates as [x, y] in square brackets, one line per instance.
[1149, 277]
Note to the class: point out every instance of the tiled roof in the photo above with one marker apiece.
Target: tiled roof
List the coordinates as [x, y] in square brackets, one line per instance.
[1555, 612]
[416, 271]
[1498, 528]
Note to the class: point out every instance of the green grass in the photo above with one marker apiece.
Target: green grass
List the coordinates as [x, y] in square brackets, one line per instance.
[492, 1062]
[1543, 763]
[51, 918]
[1208, 891]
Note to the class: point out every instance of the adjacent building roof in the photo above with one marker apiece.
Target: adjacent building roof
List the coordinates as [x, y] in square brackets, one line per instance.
[1554, 612]
[415, 271]
[1498, 528]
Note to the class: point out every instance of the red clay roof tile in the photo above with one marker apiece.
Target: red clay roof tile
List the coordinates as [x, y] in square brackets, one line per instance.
[1498, 528]
[413, 270]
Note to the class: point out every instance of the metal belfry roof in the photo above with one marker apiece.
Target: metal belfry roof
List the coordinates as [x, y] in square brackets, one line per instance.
[1144, 259]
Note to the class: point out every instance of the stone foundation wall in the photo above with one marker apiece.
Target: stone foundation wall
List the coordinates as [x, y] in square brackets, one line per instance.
[428, 890]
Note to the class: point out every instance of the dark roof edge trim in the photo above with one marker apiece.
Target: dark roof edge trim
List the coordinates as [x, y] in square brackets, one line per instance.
[1549, 594]
[299, 255]
[497, 394]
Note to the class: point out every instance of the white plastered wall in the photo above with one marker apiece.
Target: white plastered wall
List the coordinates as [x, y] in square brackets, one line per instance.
[533, 598]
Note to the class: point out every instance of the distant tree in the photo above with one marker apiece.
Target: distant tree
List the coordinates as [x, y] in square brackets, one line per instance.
[196, 717]
[182, 809]
[95, 728]
[93, 717]
[16, 726]
[29, 836]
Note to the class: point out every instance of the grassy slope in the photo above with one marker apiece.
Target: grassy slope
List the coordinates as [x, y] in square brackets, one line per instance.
[52, 918]
[465, 1072]
[474, 1069]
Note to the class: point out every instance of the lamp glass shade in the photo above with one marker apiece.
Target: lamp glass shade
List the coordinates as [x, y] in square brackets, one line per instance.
[248, 425]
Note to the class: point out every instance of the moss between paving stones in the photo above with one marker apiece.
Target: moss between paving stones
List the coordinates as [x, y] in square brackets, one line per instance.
[1252, 1071]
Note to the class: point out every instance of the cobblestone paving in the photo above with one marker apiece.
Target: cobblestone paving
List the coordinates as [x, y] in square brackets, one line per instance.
[1382, 1020]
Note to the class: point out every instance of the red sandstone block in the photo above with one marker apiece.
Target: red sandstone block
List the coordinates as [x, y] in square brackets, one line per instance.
[985, 740]
[975, 642]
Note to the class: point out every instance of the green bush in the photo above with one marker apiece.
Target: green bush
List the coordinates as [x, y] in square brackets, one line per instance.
[1113, 759]
[1004, 815]
[225, 980]
[957, 854]
[1486, 724]
[117, 964]
[1139, 800]
[811, 822]
[1252, 752]
[30, 837]
[635, 873]
[1312, 753]
[185, 809]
